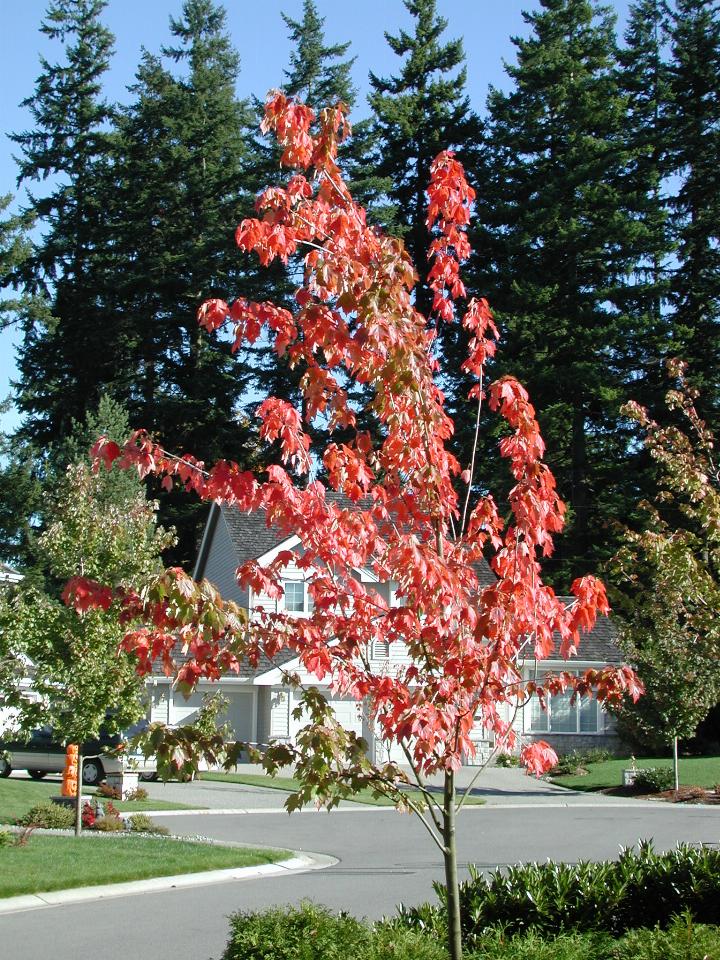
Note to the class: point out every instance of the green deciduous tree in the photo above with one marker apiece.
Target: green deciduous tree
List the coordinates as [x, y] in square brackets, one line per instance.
[101, 523]
[670, 577]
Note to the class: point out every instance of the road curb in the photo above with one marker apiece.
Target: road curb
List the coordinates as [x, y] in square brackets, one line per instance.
[488, 805]
[302, 862]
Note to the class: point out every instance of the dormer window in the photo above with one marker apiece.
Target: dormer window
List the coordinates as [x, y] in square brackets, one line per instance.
[295, 596]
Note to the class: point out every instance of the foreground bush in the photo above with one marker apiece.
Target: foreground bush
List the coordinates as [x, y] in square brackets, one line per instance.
[49, 816]
[309, 932]
[643, 889]
[682, 941]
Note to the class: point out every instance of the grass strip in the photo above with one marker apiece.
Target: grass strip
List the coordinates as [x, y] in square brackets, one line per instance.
[694, 771]
[289, 785]
[58, 863]
[18, 796]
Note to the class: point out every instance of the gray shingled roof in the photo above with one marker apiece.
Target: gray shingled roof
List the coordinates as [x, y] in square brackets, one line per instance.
[251, 537]
[597, 646]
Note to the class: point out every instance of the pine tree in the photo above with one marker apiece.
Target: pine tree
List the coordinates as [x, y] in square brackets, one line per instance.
[694, 137]
[416, 114]
[69, 144]
[644, 80]
[180, 188]
[564, 231]
[318, 74]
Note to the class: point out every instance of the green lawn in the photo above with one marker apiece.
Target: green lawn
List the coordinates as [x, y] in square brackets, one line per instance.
[56, 863]
[694, 771]
[289, 784]
[18, 796]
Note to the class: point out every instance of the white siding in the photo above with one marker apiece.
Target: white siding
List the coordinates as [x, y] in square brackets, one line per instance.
[280, 714]
[160, 704]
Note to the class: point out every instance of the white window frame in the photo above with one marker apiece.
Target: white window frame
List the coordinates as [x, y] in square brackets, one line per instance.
[295, 583]
[533, 712]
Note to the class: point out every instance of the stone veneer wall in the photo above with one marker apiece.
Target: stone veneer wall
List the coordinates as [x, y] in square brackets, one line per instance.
[563, 743]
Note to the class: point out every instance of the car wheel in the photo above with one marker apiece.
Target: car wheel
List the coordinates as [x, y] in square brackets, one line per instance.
[92, 773]
[5, 768]
[149, 777]
[37, 774]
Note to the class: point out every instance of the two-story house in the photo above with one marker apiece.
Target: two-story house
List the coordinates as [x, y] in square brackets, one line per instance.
[260, 704]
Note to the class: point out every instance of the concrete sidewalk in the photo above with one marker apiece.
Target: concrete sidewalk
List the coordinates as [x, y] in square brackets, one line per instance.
[301, 862]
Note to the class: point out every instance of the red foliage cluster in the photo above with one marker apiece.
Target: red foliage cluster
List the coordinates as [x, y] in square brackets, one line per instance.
[355, 321]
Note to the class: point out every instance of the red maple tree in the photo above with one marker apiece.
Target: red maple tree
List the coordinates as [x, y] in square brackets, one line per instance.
[406, 523]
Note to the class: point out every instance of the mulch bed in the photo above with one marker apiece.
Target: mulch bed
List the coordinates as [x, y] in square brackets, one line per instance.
[696, 795]
[690, 795]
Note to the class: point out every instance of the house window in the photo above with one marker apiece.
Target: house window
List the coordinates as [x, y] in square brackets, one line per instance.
[562, 716]
[294, 596]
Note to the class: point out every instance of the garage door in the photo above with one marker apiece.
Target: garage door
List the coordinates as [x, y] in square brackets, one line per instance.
[349, 714]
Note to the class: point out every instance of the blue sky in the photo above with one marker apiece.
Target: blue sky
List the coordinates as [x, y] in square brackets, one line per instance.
[260, 35]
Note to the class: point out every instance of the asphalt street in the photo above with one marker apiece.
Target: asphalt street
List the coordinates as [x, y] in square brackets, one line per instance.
[385, 858]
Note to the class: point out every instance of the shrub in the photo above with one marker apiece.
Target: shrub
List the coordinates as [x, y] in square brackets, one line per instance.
[576, 761]
[654, 779]
[139, 793]
[388, 942]
[310, 932]
[532, 946]
[89, 816]
[110, 793]
[142, 823]
[640, 889]
[507, 760]
[50, 816]
[682, 941]
[109, 824]
[307, 932]
[7, 839]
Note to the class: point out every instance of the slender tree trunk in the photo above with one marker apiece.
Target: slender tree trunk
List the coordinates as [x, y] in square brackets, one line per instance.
[78, 797]
[676, 768]
[451, 875]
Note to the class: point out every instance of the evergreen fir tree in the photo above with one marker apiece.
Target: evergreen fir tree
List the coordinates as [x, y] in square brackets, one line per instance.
[416, 114]
[319, 75]
[70, 145]
[180, 191]
[694, 137]
[644, 80]
[565, 227]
